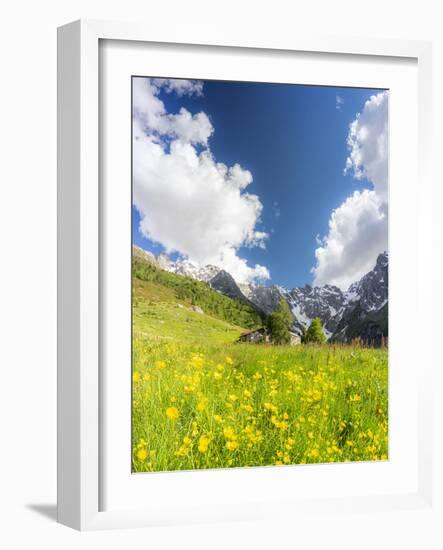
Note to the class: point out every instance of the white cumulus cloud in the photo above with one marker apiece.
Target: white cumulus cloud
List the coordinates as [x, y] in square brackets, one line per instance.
[358, 232]
[187, 201]
[180, 86]
[368, 144]
[149, 111]
[358, 228]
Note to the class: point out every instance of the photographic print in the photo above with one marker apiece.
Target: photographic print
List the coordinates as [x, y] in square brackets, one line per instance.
[259, 274]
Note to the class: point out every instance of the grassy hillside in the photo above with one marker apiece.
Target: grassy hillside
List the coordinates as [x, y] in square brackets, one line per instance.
[203, 400]
[159, 314]
[199, 294]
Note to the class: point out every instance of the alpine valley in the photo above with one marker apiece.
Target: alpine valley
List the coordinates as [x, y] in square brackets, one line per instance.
[358, 313]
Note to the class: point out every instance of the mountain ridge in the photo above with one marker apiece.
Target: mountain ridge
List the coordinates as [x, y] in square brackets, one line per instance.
[359, 312]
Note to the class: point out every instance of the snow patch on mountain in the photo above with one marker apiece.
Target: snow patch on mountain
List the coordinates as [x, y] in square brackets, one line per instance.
[188, 268]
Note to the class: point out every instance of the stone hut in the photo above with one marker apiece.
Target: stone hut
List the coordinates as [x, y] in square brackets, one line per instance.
[295, 339]
[254, 336]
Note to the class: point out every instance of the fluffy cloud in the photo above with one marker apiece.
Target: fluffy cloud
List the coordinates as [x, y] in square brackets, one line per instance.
[149, 112]
[368, 144]
[187, 201]
[180, 86]
[358, 228]
[358, 232]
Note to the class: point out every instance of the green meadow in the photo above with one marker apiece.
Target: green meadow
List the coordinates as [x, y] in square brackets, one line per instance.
[203, 400]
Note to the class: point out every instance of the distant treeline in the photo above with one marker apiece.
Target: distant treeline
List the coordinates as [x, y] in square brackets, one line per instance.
[199, 294]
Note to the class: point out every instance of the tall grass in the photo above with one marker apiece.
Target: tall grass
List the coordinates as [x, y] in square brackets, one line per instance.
[213, 405]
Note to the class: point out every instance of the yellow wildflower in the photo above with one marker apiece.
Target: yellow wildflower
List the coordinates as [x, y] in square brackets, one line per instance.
[136, 377]
[203, 443]
[229, 433]
[316, 395]
[172, 413]
[197, 361]
[202, 404]
[231, 445]
[142, 454]
[182, 451]
[271, 407]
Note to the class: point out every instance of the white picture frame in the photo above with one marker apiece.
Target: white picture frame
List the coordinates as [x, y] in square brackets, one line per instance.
[79, 259]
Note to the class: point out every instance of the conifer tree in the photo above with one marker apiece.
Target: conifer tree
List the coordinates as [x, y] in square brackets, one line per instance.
[315, 333]
[279, 323]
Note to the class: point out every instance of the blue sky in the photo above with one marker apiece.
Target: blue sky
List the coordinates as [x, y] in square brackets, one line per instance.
[293, 140]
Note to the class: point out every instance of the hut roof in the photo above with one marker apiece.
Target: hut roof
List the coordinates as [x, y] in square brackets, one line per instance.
[261, 329]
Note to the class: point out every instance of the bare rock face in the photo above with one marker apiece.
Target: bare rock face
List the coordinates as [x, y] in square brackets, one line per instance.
[224, 283]
[266, 298]
[372, 289]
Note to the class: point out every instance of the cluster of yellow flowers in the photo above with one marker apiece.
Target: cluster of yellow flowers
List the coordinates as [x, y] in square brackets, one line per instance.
[231, 438]
[207, 409]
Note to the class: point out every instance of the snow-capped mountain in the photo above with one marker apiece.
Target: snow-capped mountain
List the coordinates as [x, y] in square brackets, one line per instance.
[372, 289]
[340, 311]
[188, 268]
[360, 311]
[265, 298]
[366, 314]
[324, 302]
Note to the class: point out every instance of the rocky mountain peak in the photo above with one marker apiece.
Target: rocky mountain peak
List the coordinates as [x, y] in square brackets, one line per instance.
[372, 289]
[224, 283]
[340, 311]
[382, 260]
